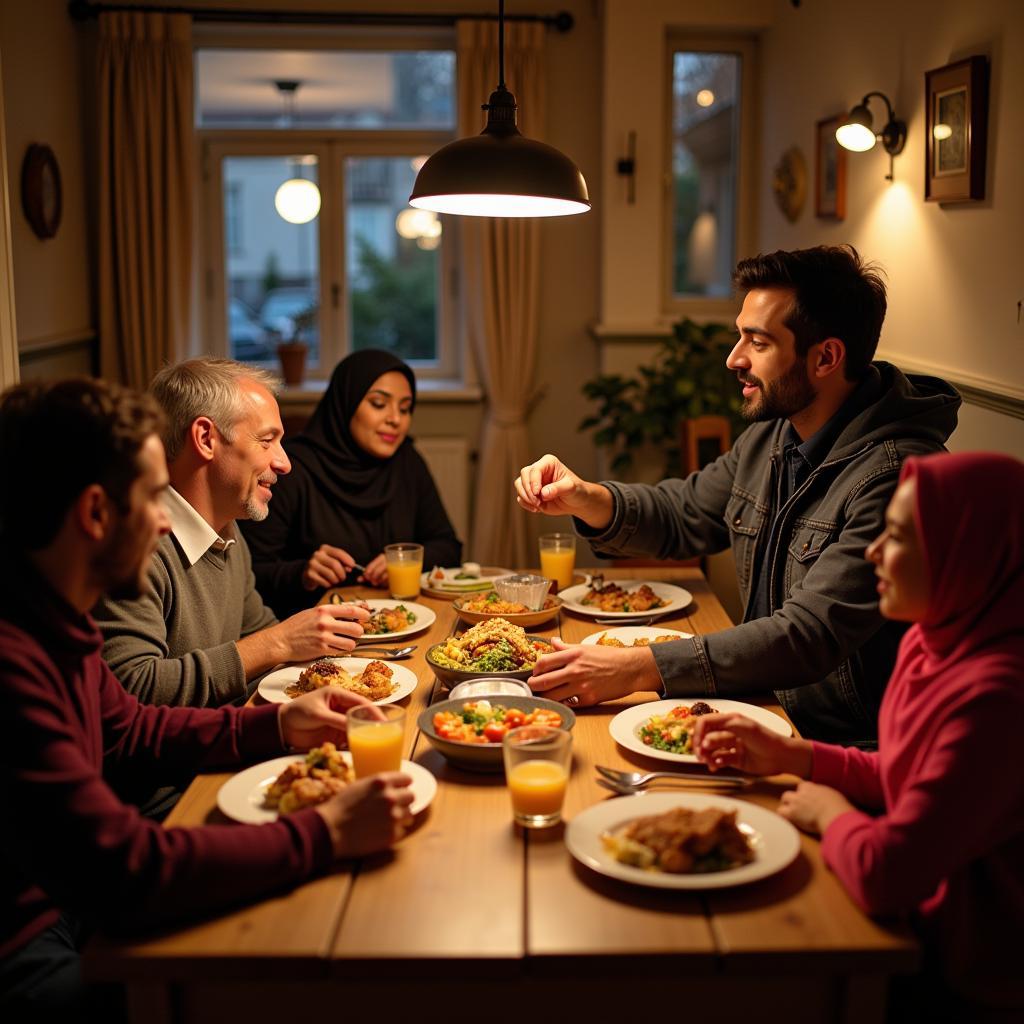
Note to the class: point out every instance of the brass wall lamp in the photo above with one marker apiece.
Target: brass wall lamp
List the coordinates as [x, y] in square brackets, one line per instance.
[857, 134]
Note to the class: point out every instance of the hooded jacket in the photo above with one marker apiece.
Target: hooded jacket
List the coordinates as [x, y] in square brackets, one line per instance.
[825, 649]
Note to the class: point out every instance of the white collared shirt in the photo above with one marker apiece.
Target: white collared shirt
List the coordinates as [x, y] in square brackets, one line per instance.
[195, 535]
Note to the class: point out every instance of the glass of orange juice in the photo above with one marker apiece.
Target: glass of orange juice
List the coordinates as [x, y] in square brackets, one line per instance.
[558, 558]
[375, 735]
[537, 761]
[405, 566]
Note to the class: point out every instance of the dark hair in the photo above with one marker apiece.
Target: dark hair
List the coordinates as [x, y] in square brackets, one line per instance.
[58, 438]
[838, 295]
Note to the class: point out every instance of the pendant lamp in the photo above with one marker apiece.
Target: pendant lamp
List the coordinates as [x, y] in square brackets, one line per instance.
[500, 173]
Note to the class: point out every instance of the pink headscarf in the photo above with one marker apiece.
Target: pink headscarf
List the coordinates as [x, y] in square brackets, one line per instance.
[970, 517]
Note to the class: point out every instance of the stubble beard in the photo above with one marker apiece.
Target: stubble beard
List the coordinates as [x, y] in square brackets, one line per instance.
[785, 397]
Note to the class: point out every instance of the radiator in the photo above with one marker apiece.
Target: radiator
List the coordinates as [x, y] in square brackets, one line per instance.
[448, 459]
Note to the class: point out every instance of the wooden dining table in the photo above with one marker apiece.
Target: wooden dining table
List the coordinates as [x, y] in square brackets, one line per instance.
[473, 918]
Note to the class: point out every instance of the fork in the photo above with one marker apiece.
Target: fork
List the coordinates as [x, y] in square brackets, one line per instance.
[384, 653]
[634, 780]
[629, 622]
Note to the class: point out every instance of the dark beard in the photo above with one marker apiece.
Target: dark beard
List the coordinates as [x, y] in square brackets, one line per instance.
[785, 397]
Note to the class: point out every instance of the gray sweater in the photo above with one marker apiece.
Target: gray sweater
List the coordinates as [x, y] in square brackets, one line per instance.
[176, 643]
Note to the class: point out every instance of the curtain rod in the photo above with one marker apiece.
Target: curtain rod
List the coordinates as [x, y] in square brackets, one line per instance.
[82, 10]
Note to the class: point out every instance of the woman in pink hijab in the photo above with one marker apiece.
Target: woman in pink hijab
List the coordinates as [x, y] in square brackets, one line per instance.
[933, 823]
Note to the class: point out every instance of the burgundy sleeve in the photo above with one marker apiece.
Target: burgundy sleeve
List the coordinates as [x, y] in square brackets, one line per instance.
[855, 773]
[947, 814]
[69, 833]
[176, 738]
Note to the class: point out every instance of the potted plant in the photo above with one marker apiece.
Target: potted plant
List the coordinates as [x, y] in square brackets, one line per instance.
[686, 379]
[292, 352]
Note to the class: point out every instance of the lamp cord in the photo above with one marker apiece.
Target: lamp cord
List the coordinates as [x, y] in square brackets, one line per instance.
[501, 44]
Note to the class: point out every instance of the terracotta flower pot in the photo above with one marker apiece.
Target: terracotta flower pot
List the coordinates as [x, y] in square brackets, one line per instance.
[293, 360]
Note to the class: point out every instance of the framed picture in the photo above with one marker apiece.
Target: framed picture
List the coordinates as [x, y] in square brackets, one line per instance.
[956, 101]
[830, 171]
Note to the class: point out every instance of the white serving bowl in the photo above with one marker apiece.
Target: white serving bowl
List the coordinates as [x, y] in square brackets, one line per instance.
[490, 687]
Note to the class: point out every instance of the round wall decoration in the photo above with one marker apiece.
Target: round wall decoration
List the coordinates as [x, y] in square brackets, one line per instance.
[40, 190]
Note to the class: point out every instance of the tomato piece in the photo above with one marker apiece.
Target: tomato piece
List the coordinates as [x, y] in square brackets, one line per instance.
[514, 718]
[494, 732]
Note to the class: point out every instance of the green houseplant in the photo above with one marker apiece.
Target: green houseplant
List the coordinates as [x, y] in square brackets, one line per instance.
[687, 378]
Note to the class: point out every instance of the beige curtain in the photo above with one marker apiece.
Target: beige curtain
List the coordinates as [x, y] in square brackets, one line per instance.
[501, 258]
[146, 190]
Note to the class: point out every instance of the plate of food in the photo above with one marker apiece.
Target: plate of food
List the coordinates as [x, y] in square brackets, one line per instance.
[389, 619]
[662, 728]
[493, 648]
[287, 784]
[624, 599]
[383, 684]
[634, 636]
[469, 732]
[463, 579]
[489, 605]
[682, 840]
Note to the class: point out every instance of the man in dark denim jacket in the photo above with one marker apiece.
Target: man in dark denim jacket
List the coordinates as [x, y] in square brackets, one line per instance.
[798, 498]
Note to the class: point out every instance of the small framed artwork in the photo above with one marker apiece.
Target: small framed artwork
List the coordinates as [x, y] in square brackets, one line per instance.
[956, 101]
[830, 171]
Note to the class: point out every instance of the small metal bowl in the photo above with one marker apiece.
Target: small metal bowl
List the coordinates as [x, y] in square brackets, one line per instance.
[525, 588]
[490, 687]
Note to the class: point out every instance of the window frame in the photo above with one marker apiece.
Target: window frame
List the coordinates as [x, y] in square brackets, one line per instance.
[745, 47]
[331, 147]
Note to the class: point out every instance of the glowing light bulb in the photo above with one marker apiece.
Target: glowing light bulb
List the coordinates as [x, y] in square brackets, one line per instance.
[705, 98]
[297, 201]
[855, 137]
[418, 224]
[942, 131]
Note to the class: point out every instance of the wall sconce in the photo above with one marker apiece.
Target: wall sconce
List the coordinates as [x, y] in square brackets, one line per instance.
[857, 134]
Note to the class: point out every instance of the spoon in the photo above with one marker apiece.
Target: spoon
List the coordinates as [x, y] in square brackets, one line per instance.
[384, 653]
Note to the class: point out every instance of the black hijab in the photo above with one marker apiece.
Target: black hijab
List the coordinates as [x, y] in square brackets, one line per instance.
[348, 475]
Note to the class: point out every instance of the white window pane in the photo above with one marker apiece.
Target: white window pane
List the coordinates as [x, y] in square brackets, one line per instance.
[336, 89]
[392, 256]
[705, 139]
[274, 277]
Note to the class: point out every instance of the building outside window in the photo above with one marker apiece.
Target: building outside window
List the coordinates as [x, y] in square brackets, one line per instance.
[710, 150]
[309, 156]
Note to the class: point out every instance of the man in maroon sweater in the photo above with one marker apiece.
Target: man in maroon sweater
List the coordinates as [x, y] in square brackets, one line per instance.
[83, 519]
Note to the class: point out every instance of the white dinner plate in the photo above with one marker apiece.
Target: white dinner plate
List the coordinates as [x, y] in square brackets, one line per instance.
[448, 584]
[424, 618]
[677, 598]
[241, 797]
[627, 634]
[625, 726]
[776, 842]
[273, 684]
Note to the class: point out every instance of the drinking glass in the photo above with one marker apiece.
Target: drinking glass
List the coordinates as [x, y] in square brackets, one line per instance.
[537, 761]
[405, 566]
[375, 734]
[558, 558]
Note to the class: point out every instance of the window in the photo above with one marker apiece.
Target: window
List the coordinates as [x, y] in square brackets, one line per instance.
[307, 166]
[710, 205]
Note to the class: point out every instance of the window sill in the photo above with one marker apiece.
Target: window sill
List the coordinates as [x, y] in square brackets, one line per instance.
[307, 394]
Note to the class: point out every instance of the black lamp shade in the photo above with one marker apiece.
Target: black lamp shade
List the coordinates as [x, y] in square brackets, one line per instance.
[500, 173]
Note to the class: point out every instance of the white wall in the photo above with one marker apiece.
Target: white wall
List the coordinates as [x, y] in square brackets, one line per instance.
[954, 270]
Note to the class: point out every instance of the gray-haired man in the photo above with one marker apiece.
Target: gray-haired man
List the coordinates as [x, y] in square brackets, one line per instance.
[201, 632]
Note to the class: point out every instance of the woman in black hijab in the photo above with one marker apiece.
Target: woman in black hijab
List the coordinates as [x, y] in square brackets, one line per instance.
[356, 484]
